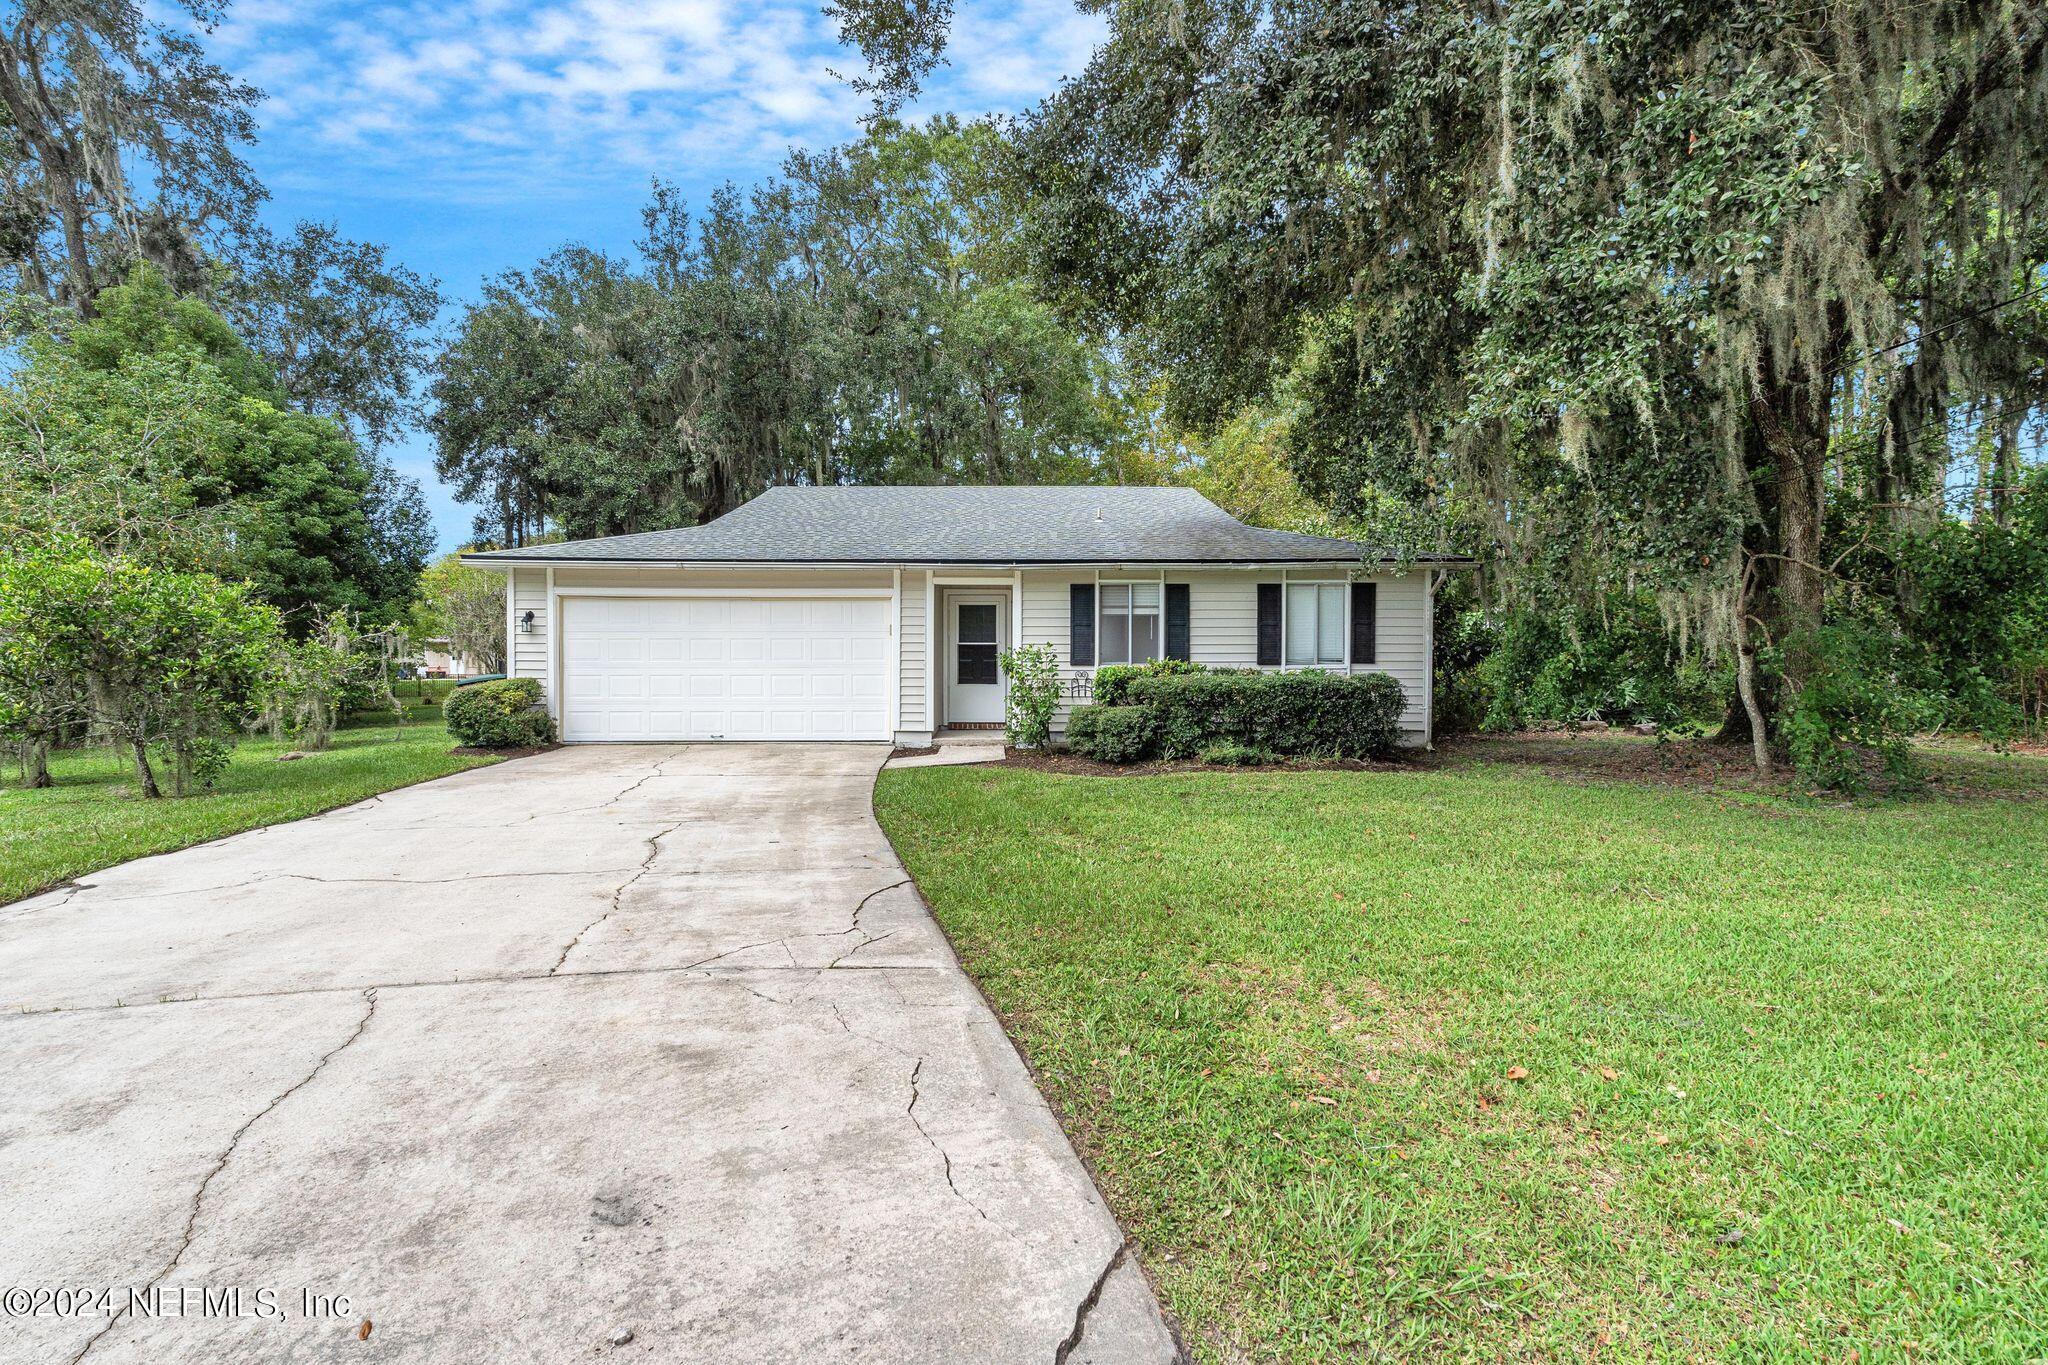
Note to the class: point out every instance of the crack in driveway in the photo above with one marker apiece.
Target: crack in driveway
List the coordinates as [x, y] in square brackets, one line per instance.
[1087, 1305]
[646, 865]
[947, 1157]
[220, 1164]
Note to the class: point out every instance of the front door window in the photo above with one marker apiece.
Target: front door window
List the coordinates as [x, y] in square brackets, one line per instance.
[975, 639]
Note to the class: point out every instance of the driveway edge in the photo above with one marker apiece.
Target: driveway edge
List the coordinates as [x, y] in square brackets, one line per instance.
[1128, 1252]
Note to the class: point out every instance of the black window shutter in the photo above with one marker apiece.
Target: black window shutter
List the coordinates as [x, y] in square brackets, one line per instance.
[1365, 623]
[1081, 625]
[1177, 621]
[1269, 623]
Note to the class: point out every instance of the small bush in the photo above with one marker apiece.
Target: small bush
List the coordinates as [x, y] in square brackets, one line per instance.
[1322, 714]
[1110, 734]
[1860, 708]
[1034, 673]
[1113, 681]
[499, 715]
[1228, 753]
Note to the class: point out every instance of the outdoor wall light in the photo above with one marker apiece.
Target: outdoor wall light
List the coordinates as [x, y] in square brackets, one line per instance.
[526, 622]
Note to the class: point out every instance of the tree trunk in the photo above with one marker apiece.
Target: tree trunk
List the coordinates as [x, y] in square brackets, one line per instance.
[35, 764]
[1802, 583]
[144, 777]
[2005, 470]
[1792, 416]
[1745, 677]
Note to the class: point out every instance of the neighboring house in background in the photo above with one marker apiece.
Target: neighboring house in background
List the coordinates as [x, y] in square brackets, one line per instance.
[439, 659]
[877, 613]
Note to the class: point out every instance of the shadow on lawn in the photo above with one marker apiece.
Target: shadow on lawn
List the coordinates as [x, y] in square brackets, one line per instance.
[1955, 769]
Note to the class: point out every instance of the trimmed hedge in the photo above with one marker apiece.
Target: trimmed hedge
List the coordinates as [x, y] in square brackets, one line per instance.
[1110, 734]
[1228, 753]
[499, 715]
[1113, 681]
[1327, 715]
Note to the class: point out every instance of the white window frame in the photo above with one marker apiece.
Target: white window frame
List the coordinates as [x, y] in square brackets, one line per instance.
[1323, 653]
[1130, 613]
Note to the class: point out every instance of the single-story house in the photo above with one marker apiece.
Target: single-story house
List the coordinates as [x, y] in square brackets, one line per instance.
[878, 613]
[440, 659]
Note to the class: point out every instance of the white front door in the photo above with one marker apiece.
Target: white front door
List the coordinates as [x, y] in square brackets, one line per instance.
[978, 632]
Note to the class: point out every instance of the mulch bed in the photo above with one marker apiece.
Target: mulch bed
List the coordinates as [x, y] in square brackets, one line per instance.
[1695, 763]
[1060, 761]
[468, 750]
[1577, 756]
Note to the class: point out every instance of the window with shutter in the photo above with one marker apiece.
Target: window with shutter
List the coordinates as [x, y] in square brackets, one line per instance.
[1081, 625]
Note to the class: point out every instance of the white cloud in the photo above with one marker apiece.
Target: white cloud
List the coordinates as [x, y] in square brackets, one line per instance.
[486, 98]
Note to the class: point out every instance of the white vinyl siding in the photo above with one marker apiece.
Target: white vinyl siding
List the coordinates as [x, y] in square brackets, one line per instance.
[1223, 618]
[528, 656]
[1403, 647]
[1048, 606]
[915, 708]
[780, 580]
[1223, 625]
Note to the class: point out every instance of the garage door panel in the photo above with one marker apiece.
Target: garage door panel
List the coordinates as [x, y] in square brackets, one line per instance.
[725, 668]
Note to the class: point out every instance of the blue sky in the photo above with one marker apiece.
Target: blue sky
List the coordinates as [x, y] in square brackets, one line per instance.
[472, 136]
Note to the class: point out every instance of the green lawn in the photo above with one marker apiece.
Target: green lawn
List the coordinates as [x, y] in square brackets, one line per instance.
[92, 818]
[1480, 1062]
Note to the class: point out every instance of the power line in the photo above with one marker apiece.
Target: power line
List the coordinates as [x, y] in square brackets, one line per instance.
[1952, 324]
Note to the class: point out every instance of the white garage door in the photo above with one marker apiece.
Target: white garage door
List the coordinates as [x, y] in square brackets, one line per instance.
[725, 668]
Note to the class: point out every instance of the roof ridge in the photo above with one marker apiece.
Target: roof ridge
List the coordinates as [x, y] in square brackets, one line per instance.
[1006, 524]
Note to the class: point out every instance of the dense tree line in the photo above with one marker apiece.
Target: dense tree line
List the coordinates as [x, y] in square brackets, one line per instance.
[1693, 303]
[863, 318]
[196, 515]
[121, 145]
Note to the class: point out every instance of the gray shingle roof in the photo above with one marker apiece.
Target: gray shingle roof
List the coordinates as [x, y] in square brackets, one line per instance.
[953, 525]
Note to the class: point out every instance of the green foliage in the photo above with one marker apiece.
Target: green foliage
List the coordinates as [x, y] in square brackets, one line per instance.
[1614, 661]
[1112, 734]
[1465, 636]
[162, 657]
[342, 328]
[1864, 701]
[1229, 753]
[862, 319]
[499, 715]
[1303, 713]
[1652, 284]
[1113, 681]
[151, 432]
[122, 141]
[1034, 697]
[1972, 598]
[337, 667]
[466, 606]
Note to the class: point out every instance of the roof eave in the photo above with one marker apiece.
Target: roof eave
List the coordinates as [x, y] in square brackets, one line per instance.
[498, 559]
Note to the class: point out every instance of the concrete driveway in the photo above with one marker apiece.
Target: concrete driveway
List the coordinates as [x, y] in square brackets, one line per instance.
[646, 1053]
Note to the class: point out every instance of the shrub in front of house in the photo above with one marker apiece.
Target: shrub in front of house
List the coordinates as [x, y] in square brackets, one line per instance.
[1110, 734]
[1229, 753]
[1326, 715]
[1034, 699]
[1113, 681]
[499, 715]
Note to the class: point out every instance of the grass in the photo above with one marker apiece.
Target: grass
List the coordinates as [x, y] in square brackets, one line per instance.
[92, 818]
[1480, 1062]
